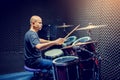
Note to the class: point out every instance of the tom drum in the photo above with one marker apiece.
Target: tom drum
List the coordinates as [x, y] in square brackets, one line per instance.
[66, 68]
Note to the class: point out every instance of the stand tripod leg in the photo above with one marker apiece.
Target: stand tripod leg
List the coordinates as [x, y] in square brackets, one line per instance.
[98, 69]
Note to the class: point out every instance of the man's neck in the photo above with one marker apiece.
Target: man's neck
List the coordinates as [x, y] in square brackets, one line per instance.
[33, 29]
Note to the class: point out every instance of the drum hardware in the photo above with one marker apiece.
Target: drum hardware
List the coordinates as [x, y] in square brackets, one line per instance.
[79, 49]
[48, 32]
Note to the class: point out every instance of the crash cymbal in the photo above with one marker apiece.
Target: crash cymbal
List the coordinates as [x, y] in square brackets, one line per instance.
[91, 27]
[79, 44]
[64, 26]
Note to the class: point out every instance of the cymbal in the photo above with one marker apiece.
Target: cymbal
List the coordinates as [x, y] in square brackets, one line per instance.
[79, 44]
[64, 26]
[91, 27]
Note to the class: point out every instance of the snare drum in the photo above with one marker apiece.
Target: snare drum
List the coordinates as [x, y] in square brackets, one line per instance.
[53, 53]
[66, 68]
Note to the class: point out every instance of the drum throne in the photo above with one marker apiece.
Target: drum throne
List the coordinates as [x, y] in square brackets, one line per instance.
[39, 74]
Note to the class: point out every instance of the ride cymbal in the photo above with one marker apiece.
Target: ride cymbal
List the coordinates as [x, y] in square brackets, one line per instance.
[90, 27]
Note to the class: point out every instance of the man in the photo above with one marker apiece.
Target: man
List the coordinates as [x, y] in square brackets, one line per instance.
[33, 45]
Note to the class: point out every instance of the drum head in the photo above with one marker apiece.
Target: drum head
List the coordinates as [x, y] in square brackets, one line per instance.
[69, 40]
[53, 53]
[83, 39]
[65, 60]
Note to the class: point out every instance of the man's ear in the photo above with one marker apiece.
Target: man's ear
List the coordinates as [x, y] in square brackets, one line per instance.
[33, 23]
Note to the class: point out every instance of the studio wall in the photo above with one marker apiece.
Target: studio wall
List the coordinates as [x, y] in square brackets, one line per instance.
[15, 22]
[107, 13]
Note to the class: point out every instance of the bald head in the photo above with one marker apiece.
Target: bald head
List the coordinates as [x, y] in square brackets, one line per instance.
[35, 23]
[34, 19]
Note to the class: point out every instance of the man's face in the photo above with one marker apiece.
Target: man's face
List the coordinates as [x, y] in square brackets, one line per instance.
[38, 24]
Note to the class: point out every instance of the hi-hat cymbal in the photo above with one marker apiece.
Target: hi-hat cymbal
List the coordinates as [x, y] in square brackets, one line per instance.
[91, 27]
[64, 26]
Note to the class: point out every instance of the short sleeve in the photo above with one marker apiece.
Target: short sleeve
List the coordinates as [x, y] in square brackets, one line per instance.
[34, 40]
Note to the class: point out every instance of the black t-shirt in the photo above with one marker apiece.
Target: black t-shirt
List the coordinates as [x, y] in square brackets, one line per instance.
[31, 39]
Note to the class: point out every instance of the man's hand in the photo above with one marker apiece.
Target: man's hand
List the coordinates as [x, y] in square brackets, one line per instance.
[60, 41]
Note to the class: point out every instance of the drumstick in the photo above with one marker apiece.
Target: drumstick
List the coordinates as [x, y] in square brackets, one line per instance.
[72, 31]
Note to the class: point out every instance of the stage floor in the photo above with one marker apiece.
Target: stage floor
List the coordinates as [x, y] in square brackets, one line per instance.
[17, 76]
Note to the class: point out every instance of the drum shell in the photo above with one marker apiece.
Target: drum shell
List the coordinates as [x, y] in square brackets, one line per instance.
[87, 68]
[67, 71]
[69, 52]
[90, 47]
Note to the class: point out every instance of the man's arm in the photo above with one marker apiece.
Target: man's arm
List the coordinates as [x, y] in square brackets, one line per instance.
[44, 41]
[48, 44]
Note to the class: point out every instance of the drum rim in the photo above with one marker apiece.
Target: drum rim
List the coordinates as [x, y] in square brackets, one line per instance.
[63, 64]
[73, 39]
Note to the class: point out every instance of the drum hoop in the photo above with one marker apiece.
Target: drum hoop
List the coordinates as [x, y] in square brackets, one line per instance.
[64, 64]
[73, 38]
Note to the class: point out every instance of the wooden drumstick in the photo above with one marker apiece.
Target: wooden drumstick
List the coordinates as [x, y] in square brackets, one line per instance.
[72, 31]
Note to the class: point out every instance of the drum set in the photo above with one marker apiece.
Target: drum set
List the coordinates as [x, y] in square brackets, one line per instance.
[77, 59]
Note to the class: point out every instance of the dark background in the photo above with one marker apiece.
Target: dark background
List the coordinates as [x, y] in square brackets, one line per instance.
[14, 22]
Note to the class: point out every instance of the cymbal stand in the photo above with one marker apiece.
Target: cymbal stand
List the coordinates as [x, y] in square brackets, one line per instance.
[48, 32]
[89, 31]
